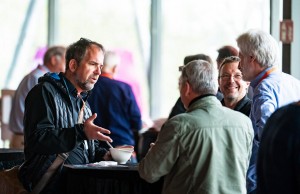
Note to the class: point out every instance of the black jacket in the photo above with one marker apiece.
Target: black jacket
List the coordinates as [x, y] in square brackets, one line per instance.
[50, 128]
[243, 106]
[278, 164]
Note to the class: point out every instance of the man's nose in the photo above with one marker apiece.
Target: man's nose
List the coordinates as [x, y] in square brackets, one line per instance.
[232, 78]
[98, 70]
[240, 66]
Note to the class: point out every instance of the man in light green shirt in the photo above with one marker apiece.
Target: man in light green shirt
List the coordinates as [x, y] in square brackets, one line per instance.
[205, 150]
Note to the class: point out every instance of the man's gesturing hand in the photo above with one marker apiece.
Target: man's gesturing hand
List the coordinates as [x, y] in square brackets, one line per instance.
[93, 131]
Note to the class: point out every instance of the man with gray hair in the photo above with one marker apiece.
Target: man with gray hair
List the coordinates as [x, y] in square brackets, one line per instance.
[178, 107]
[207, 148]
[259, 53]
[53, 61]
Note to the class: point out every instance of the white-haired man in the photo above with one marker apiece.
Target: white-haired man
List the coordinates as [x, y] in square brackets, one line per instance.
[259, 53]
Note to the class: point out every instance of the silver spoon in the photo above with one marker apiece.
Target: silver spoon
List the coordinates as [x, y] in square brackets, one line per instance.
[109, 144]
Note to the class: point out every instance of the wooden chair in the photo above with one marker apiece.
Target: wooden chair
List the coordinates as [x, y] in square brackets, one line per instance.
[6, 104]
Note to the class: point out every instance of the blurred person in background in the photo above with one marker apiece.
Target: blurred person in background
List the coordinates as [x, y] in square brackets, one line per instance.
[226, 51]
[233, 87]
[130, 72]
[205, 150]
[272, 88]
[53, 61]
[115, 104]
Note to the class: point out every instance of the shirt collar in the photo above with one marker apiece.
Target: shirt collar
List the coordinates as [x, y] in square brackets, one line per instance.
[43, 68]
[72, 90]
[108, 75]
[257, 79]
[241, 103]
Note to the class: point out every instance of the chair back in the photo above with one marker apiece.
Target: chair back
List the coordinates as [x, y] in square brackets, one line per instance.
[5, 108]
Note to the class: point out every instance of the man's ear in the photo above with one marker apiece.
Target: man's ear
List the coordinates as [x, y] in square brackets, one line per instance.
[187, 89]
[55, 60]
[252, 59]
[114, 69]
[247, 85]
[52, 61]
[72, 65]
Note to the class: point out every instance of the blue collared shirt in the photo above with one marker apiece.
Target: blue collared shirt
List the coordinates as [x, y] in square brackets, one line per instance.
[269, 93]
[276, 90]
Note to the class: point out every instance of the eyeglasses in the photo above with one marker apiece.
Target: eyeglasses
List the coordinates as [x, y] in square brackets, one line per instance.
[226, 77]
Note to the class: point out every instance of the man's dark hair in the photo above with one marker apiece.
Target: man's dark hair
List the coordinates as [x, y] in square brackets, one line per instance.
[226, 51]
[190, 58]
[78, 50]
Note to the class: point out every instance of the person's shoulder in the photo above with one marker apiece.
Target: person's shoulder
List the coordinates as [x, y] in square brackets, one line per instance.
[105, 80]
[50, 81]
[177, 121]
[285, 119]
[246, 102]
[289, 110]
[179, 118]
[289, 79]
[113, 86]
[32, 76]
[36, 91]
[122, 83]
[269, 82]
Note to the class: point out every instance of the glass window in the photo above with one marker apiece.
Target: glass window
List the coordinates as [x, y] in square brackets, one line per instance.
[188, 27]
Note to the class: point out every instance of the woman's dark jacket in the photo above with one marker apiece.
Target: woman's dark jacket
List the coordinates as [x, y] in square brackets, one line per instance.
[50, 128]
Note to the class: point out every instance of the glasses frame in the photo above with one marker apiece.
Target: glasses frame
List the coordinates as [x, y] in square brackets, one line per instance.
[227, 77]
[230, 59]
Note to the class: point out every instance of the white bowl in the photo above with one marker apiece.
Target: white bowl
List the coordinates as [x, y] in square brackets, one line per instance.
[121, 155]
[125, 149]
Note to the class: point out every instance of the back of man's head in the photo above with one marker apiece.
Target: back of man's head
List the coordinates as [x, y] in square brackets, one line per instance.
[260, 45]
[202, 76]
[54, 58]
[190, 58]
[226, 51]
[111, 61]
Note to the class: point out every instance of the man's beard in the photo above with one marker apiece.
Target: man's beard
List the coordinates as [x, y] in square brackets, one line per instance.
[85, 86]
[232, 96]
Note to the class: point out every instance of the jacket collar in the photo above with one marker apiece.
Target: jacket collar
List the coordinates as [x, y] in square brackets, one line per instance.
[205, 101]
[259, 77]
[240, 103]
[199, 97]
[108, 75]
[72, 90]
